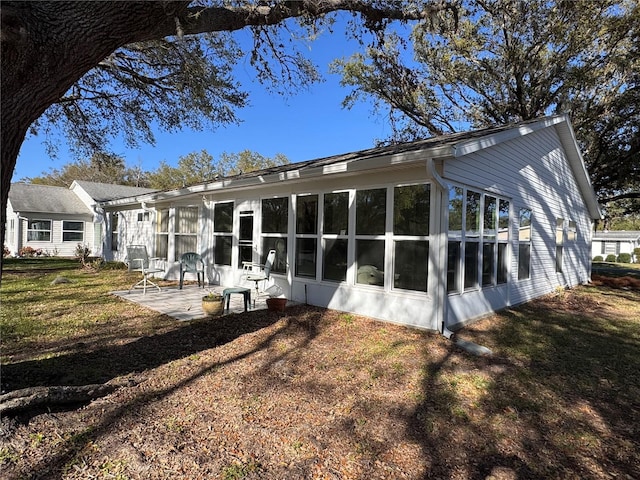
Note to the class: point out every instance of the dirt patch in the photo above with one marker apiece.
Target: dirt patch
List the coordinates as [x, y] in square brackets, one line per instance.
[318, 394]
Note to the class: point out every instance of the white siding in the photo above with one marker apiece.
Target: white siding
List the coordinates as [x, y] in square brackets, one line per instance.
[533, 172]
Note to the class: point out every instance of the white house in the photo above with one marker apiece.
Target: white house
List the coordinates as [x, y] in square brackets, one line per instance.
[433, 233]
[56, 219]
[615, 243]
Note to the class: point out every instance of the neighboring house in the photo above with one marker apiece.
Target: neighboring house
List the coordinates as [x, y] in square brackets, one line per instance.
[433, 233]
[56, 219]
[615, 242]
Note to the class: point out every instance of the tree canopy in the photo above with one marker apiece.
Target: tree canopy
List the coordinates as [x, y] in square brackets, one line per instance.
[79, 60]
[511, 60]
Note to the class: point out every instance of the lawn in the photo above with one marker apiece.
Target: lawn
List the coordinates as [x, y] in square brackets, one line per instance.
[318, 394]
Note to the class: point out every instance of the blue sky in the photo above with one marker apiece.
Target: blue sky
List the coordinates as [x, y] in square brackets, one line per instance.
[311, 124]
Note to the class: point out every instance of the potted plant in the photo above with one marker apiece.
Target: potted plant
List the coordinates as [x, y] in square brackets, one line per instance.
[212, 304]
[276, 304]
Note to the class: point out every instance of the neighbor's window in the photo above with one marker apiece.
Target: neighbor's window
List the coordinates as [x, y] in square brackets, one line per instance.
[72, 231]
[114, 231]
[371, 215]
[186, 231]
[411, 208]
[524, 244]
[306, 235]
[275, 221]
[572, 233]
[335, 221]
[222, 232]
[559, 243]
[162, 233]
[39, 231]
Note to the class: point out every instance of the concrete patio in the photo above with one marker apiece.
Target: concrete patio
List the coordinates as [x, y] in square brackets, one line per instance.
[186, 304]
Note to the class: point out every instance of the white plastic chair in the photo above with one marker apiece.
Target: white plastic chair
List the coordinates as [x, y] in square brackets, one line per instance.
[256, 272]
[139, 261]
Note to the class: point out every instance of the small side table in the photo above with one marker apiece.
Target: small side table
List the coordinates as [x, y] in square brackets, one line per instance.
[246, 293]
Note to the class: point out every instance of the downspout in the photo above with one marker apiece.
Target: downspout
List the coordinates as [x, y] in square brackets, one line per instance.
[431, 170]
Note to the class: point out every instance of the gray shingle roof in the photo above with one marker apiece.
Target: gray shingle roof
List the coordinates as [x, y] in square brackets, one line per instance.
[622, 235]
[103, 192]
[45, 199]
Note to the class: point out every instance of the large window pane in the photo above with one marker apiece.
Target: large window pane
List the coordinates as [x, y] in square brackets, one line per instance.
[490, 216]
[222, 250]
[223, 217]
[471, 250]
[186, 220]
[275, 215]
[503, 220]
[411, 210]
[411, 265]
[524, 248]
[453, 266]
[280, 246]
[370, 262]
[455, 210]
[488, 264]
[307, 214]
[371, 211]
[472, 221]
[184, 244]
[39, 231]
[335, 260]
[524, 260]
[503, 263]
[72, 231]
[336, 213]
[306, 249]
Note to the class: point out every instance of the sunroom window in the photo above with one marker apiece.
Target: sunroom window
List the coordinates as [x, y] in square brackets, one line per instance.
[223, 232]
[162, 233]
[275, 221]
[524, 244]
[186, 231]
[371, 215]
[559, 243]
[306, 235]
[411, 208]
[335, 229]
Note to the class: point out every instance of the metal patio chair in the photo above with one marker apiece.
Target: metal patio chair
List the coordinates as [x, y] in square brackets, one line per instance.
[256, 272]
[139, 261]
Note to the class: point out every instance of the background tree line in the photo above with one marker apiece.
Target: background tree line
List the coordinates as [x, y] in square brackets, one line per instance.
[193, 168]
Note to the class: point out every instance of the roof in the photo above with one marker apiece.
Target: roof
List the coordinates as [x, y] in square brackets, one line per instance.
[442, 146]
[103, 192]
[34, 198]
[620, 235]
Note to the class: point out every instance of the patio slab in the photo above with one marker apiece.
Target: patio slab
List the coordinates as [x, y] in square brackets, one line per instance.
[185, 304]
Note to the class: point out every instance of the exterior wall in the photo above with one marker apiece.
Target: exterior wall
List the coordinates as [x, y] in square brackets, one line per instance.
[56, 246]
[613, 246]
[12, 231]
[531, 171]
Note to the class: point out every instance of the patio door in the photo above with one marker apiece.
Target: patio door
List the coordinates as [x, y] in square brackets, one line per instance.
[248, 233]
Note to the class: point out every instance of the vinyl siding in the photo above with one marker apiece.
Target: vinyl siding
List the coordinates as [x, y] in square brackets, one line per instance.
[534, 173]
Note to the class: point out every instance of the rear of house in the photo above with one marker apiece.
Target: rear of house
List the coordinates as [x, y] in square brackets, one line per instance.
[432, 234]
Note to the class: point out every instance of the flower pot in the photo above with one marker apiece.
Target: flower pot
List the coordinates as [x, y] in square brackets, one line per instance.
[276, 304]
[212, 305]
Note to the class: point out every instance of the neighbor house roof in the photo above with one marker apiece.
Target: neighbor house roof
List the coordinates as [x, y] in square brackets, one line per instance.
[619, 235]
[103, 192]
[33, 198]
[440, 147]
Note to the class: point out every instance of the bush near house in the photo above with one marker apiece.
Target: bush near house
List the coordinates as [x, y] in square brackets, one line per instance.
[624, 258]
[610, 258]
[30, 252]
[636, 254]
[598, 258]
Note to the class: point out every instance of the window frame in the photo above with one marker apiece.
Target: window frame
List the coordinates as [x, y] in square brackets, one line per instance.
[72, 231]
[31, 230]
[270, 239]
[221, 235]
[524, 244]
[305, 237]
[339, 239]
[179, 236]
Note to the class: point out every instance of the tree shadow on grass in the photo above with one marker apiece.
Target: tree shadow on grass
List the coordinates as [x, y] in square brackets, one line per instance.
[99, 365]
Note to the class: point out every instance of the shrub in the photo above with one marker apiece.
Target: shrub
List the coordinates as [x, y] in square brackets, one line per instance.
[82, 253]
[624, 258]
[598, 258]
[610, 258]
[29, 252]
[636, 254]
